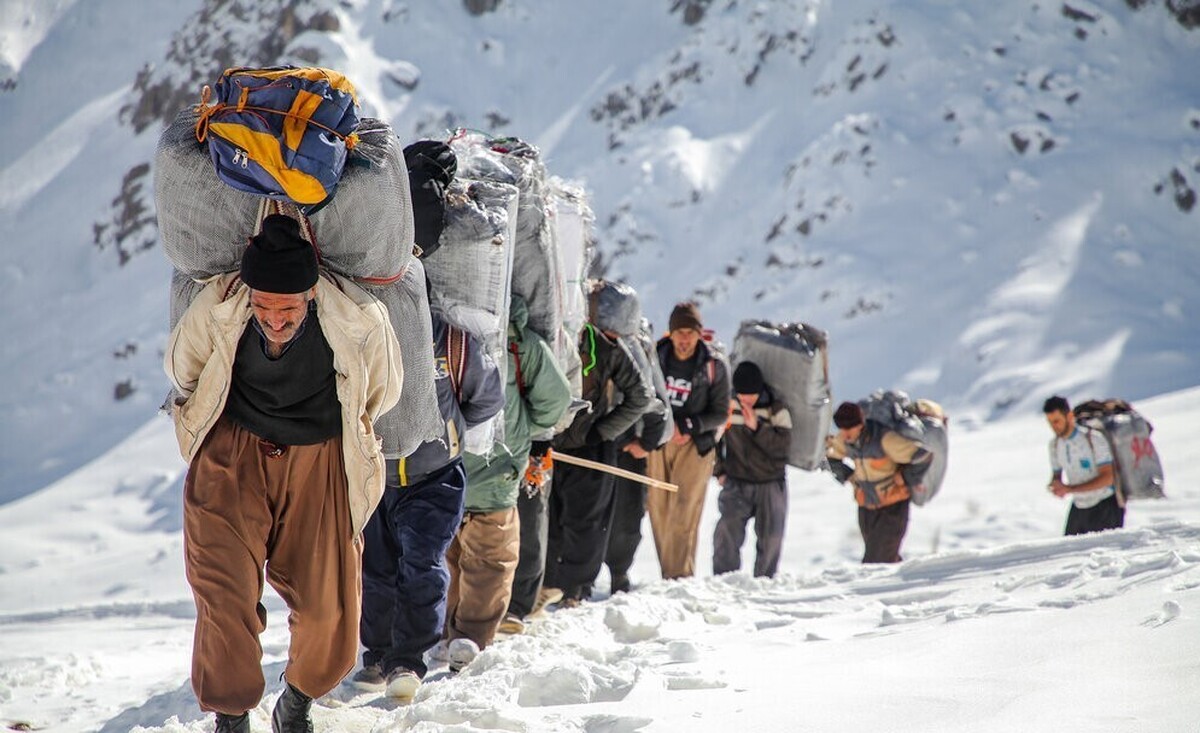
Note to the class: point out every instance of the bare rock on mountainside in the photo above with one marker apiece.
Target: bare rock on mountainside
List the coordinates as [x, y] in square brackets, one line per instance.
[481, 7]
[132, 227]
[223, 34]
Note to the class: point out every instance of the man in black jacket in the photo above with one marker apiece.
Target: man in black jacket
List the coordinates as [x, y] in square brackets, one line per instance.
[751, 468]
[581, 499]
[698, 387]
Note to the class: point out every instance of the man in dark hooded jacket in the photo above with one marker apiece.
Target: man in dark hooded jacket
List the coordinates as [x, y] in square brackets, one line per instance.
[581, 499]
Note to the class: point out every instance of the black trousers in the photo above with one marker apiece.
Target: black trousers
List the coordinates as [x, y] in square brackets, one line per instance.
[1108, 514]
[531, 563]
[629, 509]
[883, 530]
[581, 505]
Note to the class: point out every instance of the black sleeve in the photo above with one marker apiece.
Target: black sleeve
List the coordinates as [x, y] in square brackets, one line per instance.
[639, 394]
[716, 408]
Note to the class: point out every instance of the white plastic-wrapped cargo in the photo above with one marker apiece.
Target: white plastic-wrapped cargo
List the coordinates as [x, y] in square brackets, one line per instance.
[365, 232]
[794, 361]
[537, 266]
[471, 274]
[572, 218]
[921, 420]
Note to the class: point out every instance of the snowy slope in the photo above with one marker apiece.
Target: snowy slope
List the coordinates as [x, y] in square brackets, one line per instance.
[994, 623]
[982, 206]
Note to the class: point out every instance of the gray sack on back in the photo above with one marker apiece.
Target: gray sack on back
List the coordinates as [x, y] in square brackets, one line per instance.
[366, 231]
[793, 358]
[1139, 471]
[922, 421]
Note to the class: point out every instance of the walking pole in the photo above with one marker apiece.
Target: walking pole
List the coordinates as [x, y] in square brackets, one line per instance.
[576, 461]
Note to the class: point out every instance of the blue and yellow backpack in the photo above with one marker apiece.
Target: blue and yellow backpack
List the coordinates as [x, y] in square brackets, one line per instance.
[281, 132]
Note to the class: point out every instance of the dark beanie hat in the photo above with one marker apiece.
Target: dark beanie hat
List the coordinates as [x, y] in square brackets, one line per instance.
[848, 415]
[278, 259]
[747, 378]
[685, 315]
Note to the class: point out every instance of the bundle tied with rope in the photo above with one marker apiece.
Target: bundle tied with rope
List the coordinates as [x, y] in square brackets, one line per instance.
[302, 120]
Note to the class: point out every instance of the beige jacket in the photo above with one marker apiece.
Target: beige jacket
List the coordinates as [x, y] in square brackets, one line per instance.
[878, 457]
[366, 356]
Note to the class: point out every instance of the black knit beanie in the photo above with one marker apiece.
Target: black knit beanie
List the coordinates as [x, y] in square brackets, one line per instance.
[747, 378]
[685, 315]
[278, 259]
[848, 415]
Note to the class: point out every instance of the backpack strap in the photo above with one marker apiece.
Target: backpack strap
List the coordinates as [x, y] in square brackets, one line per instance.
[516, 355]
[456, 358]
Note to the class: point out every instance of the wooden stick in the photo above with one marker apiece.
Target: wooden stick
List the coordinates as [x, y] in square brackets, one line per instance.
[576, 461]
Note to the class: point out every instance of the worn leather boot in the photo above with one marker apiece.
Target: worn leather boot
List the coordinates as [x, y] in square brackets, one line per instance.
[233, 723]
[291, 713]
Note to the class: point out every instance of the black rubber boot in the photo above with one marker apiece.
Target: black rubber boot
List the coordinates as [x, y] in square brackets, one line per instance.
[291, 712]
[233, 723]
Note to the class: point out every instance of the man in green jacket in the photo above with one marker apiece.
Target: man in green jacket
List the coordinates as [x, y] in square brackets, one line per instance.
[483, 557]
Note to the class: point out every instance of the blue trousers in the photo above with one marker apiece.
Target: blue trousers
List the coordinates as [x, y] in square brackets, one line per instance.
[405, 578]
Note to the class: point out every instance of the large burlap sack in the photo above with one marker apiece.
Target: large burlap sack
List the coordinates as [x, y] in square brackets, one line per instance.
[365, 232]
[794, 361]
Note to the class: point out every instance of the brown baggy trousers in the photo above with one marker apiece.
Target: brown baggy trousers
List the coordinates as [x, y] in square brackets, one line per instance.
[675, 517]
[242, 510]
[483, 560]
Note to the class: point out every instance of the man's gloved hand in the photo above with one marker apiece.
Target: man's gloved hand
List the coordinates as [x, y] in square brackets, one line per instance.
[538, 471]
[840, 470]
[539, 448]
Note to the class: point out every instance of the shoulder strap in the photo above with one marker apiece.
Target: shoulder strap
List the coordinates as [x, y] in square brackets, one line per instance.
[516, 355]
[456, 358]
[232, 287]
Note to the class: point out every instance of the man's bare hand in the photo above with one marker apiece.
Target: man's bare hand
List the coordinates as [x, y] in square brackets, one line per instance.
[635, 449]
[1058, 488]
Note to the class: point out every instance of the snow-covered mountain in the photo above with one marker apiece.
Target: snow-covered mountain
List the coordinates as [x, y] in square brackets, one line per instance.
[982, 204]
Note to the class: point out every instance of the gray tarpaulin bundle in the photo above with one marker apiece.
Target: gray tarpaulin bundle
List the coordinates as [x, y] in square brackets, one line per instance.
[416, 418]
[1139, 472]
[365, 234]
[471, 274]
[615, 307]
[794, 361]
[366, 231]
[920, 420]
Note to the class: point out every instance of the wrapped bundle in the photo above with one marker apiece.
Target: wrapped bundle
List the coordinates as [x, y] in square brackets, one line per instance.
[471, 271]
[416, 417]
[794, 361]
[365, 232]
